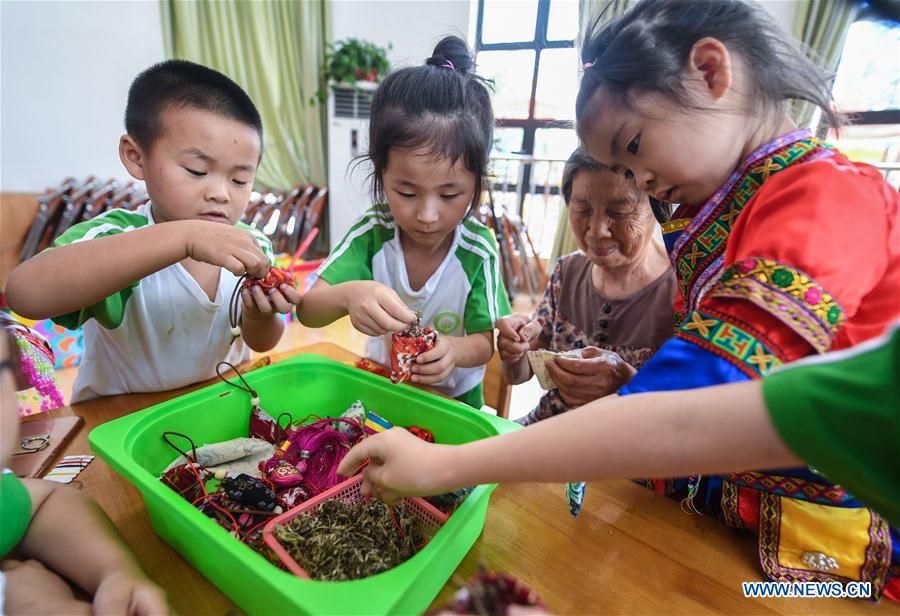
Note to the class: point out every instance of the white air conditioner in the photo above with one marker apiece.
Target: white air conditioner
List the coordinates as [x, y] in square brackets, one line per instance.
[348, 135]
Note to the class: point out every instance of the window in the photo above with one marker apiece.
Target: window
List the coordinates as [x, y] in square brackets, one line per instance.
[528, 48]
[867, 86]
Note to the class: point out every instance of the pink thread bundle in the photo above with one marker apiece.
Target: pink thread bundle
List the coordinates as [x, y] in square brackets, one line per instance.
[37, 365]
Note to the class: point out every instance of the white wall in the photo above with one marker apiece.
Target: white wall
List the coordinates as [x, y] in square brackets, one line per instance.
[413, 29]
[782, 10]
[65, 69]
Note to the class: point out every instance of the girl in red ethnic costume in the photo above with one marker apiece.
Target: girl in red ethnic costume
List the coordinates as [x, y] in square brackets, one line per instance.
[783, 248]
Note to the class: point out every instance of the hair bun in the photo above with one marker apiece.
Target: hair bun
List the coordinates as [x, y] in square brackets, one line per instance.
[437, 61]
[452, 50]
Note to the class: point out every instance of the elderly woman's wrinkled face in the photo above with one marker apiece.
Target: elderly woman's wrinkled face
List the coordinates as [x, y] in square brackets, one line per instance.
[612, 220]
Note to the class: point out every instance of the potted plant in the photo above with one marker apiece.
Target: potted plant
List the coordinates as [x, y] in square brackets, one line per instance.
[352, 62]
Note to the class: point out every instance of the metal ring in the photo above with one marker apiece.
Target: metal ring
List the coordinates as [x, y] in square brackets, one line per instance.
[28, 443]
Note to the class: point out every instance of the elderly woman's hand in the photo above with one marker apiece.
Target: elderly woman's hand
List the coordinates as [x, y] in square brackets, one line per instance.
[598, 373]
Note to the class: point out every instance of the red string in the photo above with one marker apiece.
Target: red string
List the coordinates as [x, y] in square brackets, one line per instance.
[250, 532]
[396, 523]
[194, 504]
[193, 464]
[209, 500]
[236, 527]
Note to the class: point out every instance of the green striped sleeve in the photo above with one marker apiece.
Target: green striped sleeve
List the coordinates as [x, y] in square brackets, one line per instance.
[264, 242]
[352, 257]
[110, 311]
[109, 223]
[478, 254]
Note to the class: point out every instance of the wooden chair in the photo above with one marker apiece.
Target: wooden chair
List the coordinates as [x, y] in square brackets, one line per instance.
[72, 203]
[292, 221]
[122, 196]
[312, 220]
[291, 212]
[497, 392]
[96, 202]
[50, 208]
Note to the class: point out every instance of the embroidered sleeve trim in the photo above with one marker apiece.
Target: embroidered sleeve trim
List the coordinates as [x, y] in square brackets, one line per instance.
[793, 487]
[730, 341]
[699, 248]
[788, 294]
[730, 504]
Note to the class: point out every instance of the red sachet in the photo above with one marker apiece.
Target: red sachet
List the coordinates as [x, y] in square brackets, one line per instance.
[185, 481]
[275, 278]
[405, 347]
[422, 433]
[286, 475]
[292, 497]
[370, 366]
[494, 593]
[267, 428]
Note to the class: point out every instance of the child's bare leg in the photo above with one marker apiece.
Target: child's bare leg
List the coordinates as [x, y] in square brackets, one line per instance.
[30, 588]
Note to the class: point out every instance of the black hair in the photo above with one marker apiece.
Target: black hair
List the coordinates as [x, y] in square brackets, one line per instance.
[180, 83]
[647, 49]
[441, 108]
[582, 161]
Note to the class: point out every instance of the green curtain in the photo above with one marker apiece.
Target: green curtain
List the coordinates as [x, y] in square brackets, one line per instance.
[588, 11]
[821, 25]
[273, 49]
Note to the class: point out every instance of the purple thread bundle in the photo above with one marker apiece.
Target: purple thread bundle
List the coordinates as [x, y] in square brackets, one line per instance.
[320, 448]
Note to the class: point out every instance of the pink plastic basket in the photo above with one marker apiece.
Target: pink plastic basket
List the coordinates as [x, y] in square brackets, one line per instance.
[428, 516]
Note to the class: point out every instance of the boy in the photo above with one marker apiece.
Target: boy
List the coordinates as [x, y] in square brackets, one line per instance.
[152, 286]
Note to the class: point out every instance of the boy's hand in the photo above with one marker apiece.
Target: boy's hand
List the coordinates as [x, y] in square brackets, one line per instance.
[435, 365]
[400, 464]
[224, 245]
[596, 374]
[129, 593]
[258, 304]
[515, 333]
[376, 309]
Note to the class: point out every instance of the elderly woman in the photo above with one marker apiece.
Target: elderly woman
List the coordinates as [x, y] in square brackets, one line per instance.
[612, 299]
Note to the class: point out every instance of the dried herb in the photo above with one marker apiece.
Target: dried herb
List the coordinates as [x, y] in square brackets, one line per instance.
[348, 541]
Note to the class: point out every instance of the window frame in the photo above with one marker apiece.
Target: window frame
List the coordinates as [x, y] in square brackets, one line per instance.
[530, 125]
[875, 10]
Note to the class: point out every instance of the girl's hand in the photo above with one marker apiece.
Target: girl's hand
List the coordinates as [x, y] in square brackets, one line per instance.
[224, 245]
[129, 593]
[400, 464]
[515, 333]
[435, 365]
[597, 374]
[260, 305]
[376, 309]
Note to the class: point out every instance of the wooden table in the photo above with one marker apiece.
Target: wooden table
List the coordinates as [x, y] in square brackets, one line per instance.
[630, 551]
